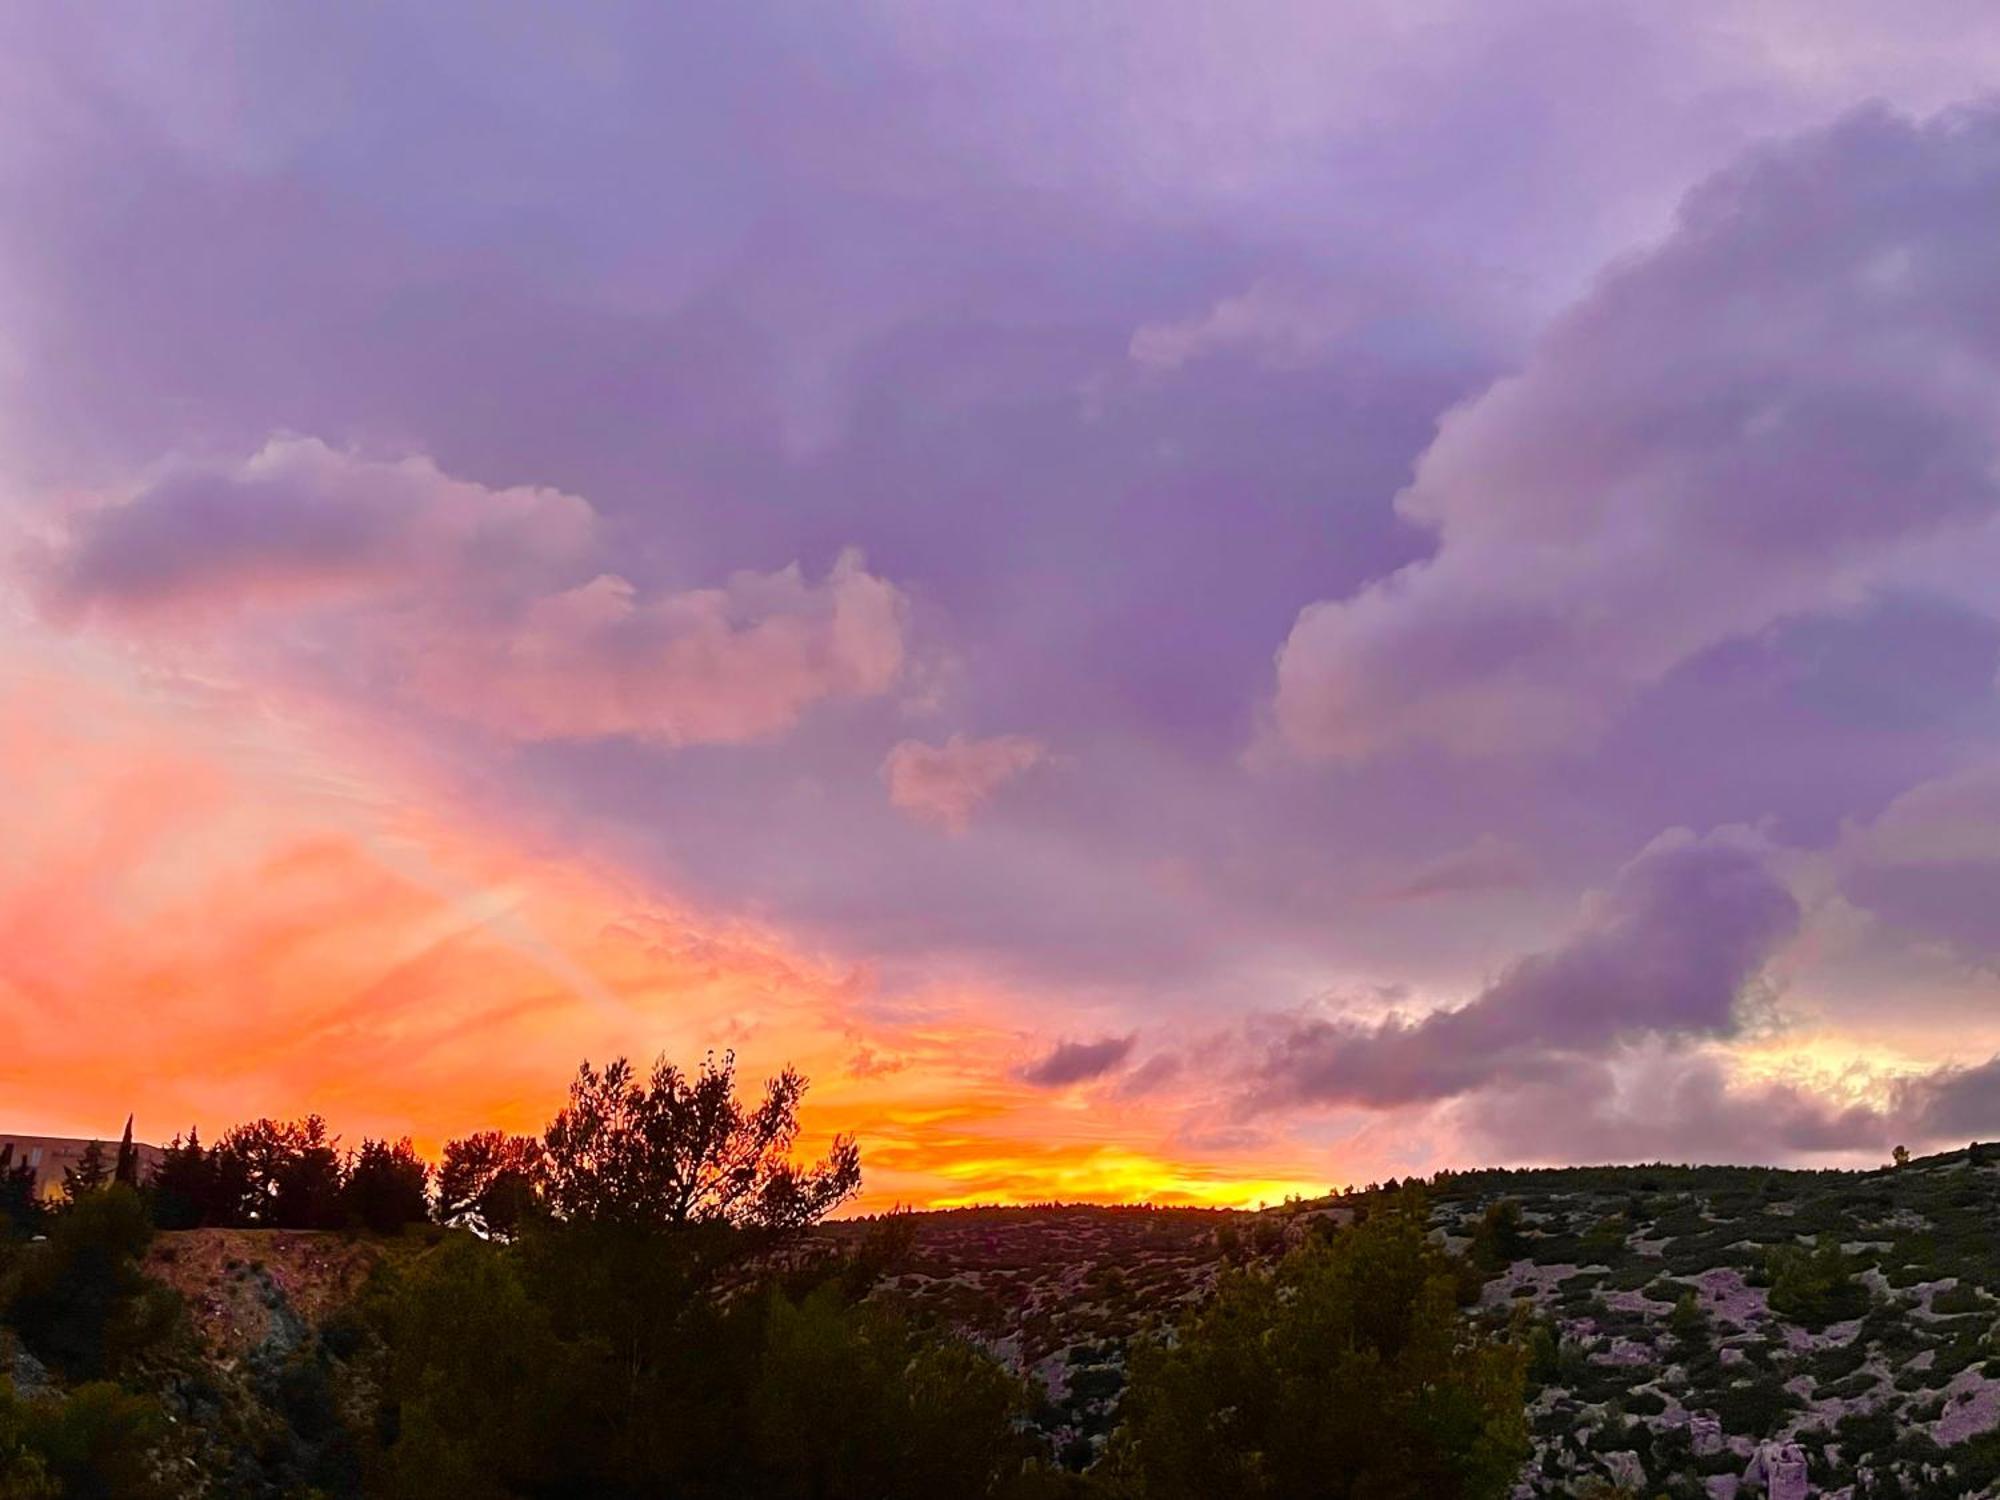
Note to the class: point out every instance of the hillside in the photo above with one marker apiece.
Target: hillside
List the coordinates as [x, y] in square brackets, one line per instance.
[1684, 1323]
[1648, 1286]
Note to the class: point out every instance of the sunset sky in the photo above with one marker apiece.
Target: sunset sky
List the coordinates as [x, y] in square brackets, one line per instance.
[1174, 600]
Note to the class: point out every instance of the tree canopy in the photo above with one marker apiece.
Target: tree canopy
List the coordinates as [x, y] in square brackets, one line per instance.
[673, 1150]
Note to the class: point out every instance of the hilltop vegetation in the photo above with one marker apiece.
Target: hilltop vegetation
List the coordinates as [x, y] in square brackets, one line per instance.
[643, 1301]
[635, 1305]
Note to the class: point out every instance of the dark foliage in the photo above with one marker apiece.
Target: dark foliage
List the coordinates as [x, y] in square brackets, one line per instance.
[185, 1187]
[88, 1175]
[491, 1182]
[386, 1187]
[98, 1443]
[20, 1209]
[673, 1151]
[78, 1299]
[1347, 1371]
[601, 1359]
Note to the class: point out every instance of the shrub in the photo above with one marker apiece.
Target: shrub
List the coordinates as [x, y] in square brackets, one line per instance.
[1346, 1371]
[78, 1299]
[1814, 1287]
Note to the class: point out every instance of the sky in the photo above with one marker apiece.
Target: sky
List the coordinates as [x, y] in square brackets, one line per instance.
[1173, 600]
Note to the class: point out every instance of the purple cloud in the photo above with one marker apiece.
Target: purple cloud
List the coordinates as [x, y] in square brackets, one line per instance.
[1766, 416]
[1078, 1062]
[1668, 950]
[1487, 863]
[1652, 1105]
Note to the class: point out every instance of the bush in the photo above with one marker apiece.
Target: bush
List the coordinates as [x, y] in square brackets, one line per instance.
[97, 1444]
[1814, 1287]
[1498, 1240]
[603, 1360]
[79, 1300]
[1346, 1371]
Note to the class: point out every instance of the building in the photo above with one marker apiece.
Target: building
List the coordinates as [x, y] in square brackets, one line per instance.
[49, 1154]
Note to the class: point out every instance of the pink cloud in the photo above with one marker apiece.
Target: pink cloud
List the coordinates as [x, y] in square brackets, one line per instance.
[489, 606]
[708, 666]
[943, 784]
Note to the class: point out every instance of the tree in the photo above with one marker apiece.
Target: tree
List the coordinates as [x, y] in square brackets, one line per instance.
[20, 1205]
[490, 1181]
[1900, 1156]
[387, 1186]
[309, 1184]
[678, 1151]
[584, 1359]
[185, 1186]
[79, 1300]
[87, 1176]
[284, 1176]
[1498, 1240]
[127, 1169]
[850, 1405]
[1346, 1371]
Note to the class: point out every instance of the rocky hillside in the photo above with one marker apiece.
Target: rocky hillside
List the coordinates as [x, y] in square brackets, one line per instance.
[1693, 1324]
[1692, 1331]
[1690, 1327]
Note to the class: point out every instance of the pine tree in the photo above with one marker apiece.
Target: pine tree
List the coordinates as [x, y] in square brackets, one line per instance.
[186, 1188]
[127, 1170]
[20, 1208]
[87, 1176]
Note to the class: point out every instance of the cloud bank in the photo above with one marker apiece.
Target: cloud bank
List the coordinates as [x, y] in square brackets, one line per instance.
[1764, 416]
[483, 605]
[1669, 950]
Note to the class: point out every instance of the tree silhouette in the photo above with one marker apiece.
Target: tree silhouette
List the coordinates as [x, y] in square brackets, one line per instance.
[127, 1169]
[185, 1187]
[490, 1181]
[387, 1186]
[279, 1175]
[88, 1175]
[676, 1151]
[20, 1207]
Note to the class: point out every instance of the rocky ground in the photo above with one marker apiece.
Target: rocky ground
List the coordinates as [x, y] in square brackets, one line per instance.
[1652, 1288]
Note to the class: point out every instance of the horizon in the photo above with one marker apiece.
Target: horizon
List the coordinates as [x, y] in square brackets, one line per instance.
[1169, 603]
[863, 1207]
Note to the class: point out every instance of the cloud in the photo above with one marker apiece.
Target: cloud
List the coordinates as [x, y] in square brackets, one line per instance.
[1774, 412]
[1155, 1073]
[943, 784]
[1954, 1103]
[486, 605]
[1291, 322]
[1653, 1102]
[1928, 867]
[301, 523]
[1079, 1062]
[1487, 863]
[1669, 950]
